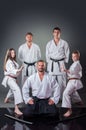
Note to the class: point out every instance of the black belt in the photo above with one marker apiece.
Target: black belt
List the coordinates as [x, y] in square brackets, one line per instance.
[28, 64]
[38, 99]
[55, 60]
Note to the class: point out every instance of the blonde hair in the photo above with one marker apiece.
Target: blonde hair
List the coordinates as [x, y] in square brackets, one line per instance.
[8, 56]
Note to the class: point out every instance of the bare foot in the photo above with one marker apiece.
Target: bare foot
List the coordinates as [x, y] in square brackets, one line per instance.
[6, 100]
[18, 112]
[68, 113]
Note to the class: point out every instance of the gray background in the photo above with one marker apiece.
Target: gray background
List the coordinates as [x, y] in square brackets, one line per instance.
[40, 17]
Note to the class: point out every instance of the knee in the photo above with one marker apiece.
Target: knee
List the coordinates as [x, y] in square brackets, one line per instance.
[18, 90]
[65, 93]
[28, 111]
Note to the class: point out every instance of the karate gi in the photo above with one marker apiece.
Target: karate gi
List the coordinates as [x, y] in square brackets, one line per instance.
[74, 83]
[10, 80]
[28, 56]
[42, 91]
[56, 57]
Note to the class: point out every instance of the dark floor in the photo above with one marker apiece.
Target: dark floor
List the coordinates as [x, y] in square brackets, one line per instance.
[76, 122]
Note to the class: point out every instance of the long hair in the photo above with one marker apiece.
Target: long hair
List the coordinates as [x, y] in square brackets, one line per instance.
[8, 56]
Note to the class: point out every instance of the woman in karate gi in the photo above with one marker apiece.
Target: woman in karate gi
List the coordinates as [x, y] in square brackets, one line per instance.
[74, 83]
[11, 72]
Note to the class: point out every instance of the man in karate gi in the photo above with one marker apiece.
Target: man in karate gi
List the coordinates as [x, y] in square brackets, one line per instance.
[45, 93]
[28, 53]
[57, 54]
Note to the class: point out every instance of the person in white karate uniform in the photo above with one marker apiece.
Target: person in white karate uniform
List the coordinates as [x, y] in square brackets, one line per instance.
[45, 92]
[11, 72]
[28, 53]
[74, 83]
[57, 54]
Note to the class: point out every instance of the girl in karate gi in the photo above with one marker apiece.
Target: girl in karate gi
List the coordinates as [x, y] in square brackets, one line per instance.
[11, 71]
[74, 83]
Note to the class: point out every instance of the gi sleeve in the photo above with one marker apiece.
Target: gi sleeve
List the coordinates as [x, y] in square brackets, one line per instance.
[25, 91]
[10, 67]
[39, 54]
[56, 91]
[20, 54]
[47, 52]
[67, 52]
[75, 69]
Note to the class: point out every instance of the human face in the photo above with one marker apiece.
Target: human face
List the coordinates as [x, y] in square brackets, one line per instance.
[75, 57]
[56, 34]
[40, 66]
[13, 54]
[29, 38]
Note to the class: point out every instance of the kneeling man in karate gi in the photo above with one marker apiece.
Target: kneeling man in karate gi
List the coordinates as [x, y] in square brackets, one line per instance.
[45, 93]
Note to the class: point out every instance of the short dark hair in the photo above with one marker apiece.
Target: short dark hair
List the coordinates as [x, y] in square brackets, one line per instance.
[57, 28]
[76, 52]
[29, 33]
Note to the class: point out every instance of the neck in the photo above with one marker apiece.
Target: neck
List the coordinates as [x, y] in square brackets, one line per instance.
[56, 40]
[41, 75]
[29, 44]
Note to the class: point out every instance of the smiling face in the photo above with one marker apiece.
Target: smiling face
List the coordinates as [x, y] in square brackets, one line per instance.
[75, 57]
[13, 54]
